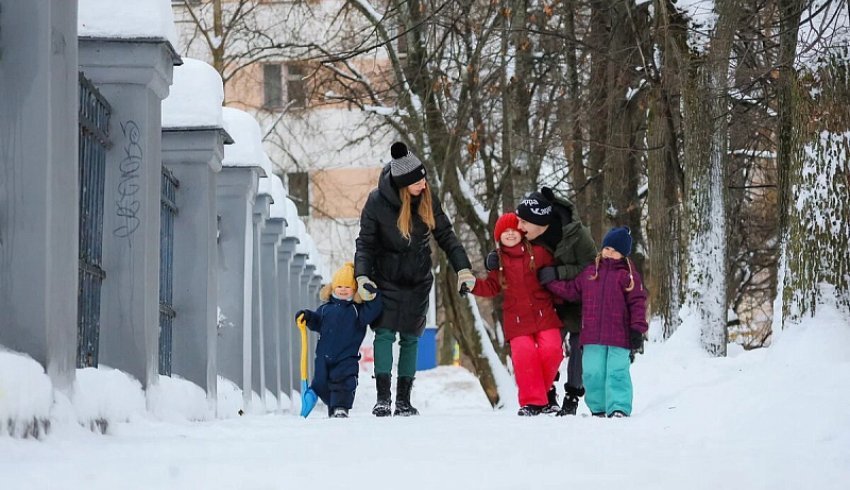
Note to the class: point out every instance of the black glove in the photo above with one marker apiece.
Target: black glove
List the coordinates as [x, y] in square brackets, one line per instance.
[491, 262]
[370, 287]
[635, 344]
[306, 313]
[547, 275]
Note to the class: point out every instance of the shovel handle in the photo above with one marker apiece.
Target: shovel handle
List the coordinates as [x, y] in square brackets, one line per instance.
[302, 325]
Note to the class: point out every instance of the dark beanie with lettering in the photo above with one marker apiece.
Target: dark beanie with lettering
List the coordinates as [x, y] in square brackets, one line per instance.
[535, 209]
[405, 168]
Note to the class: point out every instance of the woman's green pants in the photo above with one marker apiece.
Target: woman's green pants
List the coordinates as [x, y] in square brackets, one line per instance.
[383, 352]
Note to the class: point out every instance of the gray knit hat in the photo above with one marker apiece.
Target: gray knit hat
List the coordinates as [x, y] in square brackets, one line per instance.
[405, 168]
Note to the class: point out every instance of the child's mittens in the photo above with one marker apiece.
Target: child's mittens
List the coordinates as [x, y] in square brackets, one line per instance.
[491, 262]
[547, 275]
[636, 340]
[305, 314]
[366, 288]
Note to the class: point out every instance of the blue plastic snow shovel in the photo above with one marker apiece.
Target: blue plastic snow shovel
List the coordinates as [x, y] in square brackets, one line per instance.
[308, 396]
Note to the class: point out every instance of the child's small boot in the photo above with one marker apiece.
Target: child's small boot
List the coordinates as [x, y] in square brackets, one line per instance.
[571, 400]
[552, 403]
[530, 410]
[340, 413]
[383, 408]
[403, 408]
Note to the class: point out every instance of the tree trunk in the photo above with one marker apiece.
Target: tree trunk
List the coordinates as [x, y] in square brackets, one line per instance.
[818, 255]
[706, 141]
[664, 229]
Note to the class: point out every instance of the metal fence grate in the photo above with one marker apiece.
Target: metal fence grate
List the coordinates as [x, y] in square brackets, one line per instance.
[166, 269]
[93, 143]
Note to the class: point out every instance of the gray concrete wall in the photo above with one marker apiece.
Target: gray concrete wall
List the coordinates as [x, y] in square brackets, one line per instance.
[134, 76]
[39, 174]
[236, 190]
[271, 310]
[258, 372]
[194, 157]
[288, 356]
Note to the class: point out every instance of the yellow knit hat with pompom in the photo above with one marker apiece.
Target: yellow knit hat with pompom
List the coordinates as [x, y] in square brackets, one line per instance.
[344, 276]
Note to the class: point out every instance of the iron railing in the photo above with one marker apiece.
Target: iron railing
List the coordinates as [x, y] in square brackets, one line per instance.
[166, 269]
[93, 143]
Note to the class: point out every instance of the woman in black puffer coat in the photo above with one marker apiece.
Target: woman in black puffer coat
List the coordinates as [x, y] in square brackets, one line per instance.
[394, 254]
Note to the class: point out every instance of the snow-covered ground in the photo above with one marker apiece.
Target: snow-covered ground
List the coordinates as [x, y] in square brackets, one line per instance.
[768, 419]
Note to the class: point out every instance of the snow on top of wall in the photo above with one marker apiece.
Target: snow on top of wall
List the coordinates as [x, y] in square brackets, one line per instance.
[273, 186]
[26, 392]
[300, 232]
[108, 394]
[247, 147]
[291, 212]
[127, 19]
[195, 97]
[176, 399]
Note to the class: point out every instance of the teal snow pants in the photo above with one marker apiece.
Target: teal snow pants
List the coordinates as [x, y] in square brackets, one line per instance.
[607, 380]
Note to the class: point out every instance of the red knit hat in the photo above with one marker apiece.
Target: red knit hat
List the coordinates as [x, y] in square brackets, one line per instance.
[505, 221]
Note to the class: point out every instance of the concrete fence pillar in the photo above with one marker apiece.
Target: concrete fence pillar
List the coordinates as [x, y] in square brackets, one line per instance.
[134, 76]
[258, 373]
[288, 350]
[194, 157]
[39, 175]
[272, 233]
[236, 190]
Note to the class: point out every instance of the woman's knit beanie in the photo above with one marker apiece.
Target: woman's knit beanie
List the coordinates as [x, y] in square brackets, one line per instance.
[405, 168]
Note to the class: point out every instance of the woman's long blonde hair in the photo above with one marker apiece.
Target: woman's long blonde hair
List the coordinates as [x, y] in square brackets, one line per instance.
[405, 215]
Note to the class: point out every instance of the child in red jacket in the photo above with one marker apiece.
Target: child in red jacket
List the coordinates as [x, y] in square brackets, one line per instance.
[529, 320]
[613, 321]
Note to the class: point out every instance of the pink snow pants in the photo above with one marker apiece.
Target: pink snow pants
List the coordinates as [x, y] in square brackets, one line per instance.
[536, 359]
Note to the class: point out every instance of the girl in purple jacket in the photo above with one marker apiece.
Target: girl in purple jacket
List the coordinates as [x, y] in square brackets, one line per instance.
[613, 312]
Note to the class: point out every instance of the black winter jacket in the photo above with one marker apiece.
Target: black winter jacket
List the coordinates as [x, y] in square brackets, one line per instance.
[402, 268]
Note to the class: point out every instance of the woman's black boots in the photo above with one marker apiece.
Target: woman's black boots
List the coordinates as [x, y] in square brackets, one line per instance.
[403, 408]
[383, 408]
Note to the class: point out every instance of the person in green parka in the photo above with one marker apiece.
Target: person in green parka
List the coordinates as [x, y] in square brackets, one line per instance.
[394, 254]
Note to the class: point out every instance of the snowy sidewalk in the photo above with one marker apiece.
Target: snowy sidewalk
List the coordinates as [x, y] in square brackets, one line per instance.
[769, 419]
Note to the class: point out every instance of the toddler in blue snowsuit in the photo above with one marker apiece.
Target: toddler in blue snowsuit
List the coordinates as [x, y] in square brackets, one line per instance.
[341, 323]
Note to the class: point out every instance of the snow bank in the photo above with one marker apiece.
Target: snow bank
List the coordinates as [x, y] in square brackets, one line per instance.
[247, 147]
[229, 402]
[26, 396]
[127, 19]
[104, 395]
[176, 399]
[195, 97]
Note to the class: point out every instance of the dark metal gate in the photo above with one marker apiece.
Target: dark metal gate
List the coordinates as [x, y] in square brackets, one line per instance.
[94, 141]
[166, 268]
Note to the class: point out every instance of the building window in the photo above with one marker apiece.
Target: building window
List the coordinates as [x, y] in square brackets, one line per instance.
[272, 93]
[299, 191]
[296, 90]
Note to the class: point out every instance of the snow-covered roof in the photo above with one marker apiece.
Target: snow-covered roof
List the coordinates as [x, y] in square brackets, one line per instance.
[195, 97]
[247, 147]
[127, 19]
